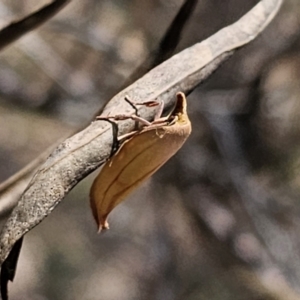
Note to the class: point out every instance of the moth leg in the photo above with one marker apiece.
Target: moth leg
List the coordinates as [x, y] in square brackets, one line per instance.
[118, 140]
[150, 103]
[160, 110]
[153, 103]
[133, 105]
[126, 117]
[127, 135]
[115, 131]
[135, 117]
[175, 119]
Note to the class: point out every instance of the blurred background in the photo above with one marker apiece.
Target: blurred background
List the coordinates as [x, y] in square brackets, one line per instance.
[221, 219]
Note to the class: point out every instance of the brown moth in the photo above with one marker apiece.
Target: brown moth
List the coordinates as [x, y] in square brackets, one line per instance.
[138, 158]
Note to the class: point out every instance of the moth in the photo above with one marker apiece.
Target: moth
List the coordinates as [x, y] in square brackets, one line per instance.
[138, 157]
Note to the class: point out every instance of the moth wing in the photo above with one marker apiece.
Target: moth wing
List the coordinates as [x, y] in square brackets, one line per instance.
[137, 159]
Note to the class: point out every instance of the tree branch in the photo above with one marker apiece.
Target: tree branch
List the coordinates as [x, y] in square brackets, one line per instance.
[17, 29]
[81, 154]
[12, 188]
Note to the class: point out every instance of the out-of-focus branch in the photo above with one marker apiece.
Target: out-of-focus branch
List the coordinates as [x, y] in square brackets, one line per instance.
[173, 34]
[256, 199]
[168, 43]
[17, 29]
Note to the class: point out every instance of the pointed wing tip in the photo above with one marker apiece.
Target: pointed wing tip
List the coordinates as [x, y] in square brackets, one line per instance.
[103, 226]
